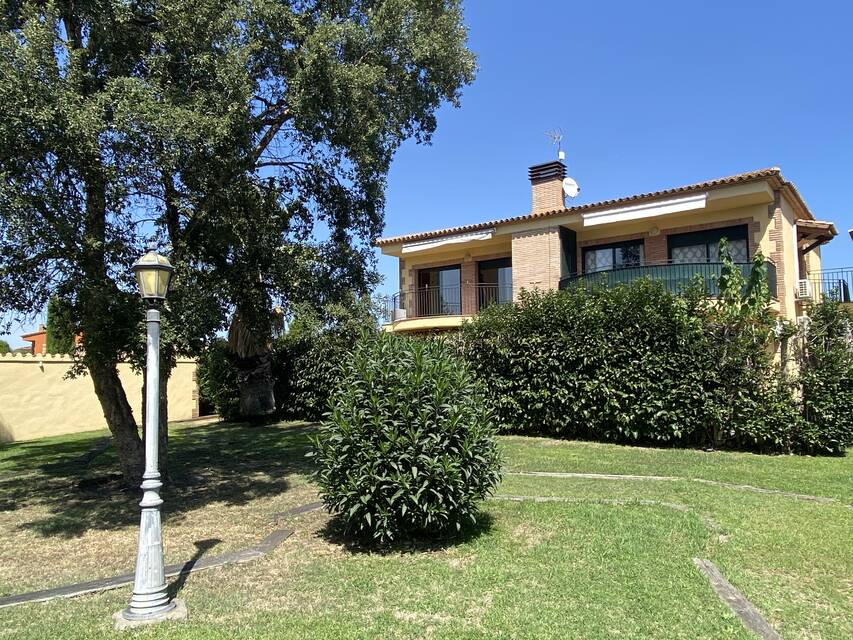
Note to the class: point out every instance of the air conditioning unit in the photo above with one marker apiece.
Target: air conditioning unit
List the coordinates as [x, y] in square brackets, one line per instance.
[804, 290]
[398, 314]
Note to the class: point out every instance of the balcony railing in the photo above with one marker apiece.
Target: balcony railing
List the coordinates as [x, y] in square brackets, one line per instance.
[675, 276]
[833, 284]
[426, 302]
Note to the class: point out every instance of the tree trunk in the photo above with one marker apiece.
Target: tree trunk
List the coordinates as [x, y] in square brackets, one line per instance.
[256, 384]
[122, 425]
[253, 359]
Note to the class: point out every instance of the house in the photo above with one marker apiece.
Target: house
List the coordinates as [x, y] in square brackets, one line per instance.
[672, 235]
[37, 340]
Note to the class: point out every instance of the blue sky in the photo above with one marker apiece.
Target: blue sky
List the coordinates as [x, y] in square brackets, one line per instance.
[648, 95]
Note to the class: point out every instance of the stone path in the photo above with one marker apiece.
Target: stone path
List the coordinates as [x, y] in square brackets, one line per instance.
[259, 550]
[716, 483]
[734, 600]
[731, 597]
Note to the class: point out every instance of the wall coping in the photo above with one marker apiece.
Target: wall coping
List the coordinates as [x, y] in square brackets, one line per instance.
[59, 357]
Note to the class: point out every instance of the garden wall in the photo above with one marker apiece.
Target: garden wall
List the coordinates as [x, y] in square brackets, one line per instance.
[37, 400]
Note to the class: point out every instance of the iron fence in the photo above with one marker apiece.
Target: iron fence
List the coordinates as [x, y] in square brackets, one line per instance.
[425, 302]
[833, 284]
[675, 276]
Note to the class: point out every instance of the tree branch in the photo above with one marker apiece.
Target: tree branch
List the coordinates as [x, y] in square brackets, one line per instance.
[269, 135]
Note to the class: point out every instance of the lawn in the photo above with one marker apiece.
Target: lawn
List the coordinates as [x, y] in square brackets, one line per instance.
[604, 558]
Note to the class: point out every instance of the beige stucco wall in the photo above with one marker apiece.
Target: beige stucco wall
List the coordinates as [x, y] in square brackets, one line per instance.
[37, 400]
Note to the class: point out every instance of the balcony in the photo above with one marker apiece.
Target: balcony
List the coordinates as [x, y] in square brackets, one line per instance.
[832, 284]
[674, 276]
[452, 303]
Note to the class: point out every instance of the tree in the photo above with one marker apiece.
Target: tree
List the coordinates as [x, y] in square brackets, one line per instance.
[318, 96]
[60, 327]
[4, 347]
[254, 137]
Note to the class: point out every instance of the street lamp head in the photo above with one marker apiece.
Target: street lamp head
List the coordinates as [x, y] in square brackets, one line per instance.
[153, 275]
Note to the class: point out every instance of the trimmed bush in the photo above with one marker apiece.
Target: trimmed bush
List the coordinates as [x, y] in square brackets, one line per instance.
[826, 373]
[635, 363]
[408, 448]
[611, 364]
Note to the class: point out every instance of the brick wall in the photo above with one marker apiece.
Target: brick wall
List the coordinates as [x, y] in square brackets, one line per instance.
[777, 238]
[656, 249]
[535, 260]
[468, 278]
[547, 195]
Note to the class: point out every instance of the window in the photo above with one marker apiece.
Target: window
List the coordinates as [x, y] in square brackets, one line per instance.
[438, 291]
[613, 256]
[494, 280]
[704, 246]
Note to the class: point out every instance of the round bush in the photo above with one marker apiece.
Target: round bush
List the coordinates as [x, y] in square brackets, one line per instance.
[409, 446]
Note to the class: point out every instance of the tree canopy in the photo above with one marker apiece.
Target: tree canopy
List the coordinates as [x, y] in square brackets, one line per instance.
[251, 137]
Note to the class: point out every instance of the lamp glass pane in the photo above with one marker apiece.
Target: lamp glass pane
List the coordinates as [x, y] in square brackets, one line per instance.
[147, 279]
[162, 283]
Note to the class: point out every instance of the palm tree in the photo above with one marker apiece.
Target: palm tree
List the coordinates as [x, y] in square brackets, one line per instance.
[253, 359]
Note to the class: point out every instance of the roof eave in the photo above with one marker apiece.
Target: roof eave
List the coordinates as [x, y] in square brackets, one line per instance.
[772, 174]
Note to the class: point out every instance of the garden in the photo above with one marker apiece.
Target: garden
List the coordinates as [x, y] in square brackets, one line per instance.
[594, 462]
[603, 558]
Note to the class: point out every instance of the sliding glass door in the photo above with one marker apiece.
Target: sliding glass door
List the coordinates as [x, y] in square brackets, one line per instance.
[494, 280]
[439, 292]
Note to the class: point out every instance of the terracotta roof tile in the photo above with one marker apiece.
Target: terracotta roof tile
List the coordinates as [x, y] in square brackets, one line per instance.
[740, 178]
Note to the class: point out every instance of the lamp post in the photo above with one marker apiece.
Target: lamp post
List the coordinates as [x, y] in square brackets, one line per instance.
[150, 600]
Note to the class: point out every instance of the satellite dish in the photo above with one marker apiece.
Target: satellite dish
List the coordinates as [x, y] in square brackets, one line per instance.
[570, 187]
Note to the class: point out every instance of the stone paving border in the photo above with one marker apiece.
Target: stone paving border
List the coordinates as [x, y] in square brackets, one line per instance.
[706, 519]
[264, 547]
[715, 483]
[734, 600]
[731, 597]
[591, 476]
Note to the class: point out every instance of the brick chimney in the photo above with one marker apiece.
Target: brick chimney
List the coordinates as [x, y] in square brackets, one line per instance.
[546, 180]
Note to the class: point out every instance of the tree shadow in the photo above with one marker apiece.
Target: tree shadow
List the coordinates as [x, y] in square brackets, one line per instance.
[334, 532]
[231, 463]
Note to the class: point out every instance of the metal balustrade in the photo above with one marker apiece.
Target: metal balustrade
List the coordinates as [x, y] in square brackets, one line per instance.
[833, 284]
[426, 302]
[675, 276]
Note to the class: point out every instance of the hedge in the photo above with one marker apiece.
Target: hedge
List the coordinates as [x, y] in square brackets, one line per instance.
[638, 364]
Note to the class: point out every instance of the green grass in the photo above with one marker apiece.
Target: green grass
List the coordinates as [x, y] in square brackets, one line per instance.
[612, 561]
[820, 476]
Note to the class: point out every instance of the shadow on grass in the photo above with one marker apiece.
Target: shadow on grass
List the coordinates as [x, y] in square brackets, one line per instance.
[202, 547]
[335, 533]
[230, 463]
